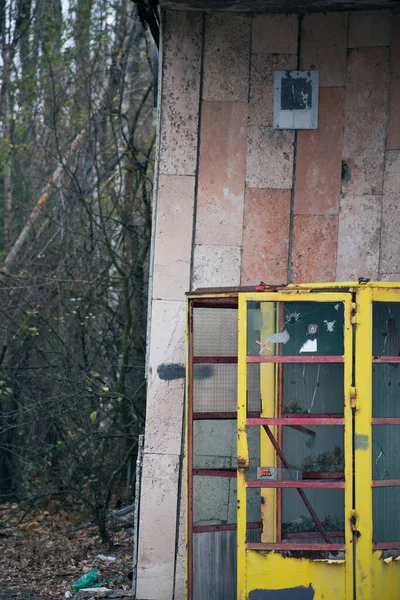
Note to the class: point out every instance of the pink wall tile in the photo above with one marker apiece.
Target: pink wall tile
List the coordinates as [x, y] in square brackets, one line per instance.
[370, 28]
[275, 34]
[365, 120]
[324, 46]
[359, 237]
[180, 93]
[393, 137]
[319, 158]
[261, 103]
[227, 57]
[265, 236]
[314, 248]
[221, 173]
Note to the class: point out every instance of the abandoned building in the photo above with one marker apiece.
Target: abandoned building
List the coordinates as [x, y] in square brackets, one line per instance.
[272, 444]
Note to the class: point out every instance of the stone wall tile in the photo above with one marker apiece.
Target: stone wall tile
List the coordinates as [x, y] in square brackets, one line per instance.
[324, 46]
[319, 158]
[314, 248]
[180, 92]
[359, 237]
[275, 34]
[261, 103]
[172, 252]
[265, 236]
[157, 529]
[370, 28]
[390, 240]
[223, 147]
[269, 158]
[391, 277]
[216, 266]
[227, 57]
[365, 121]
[393, 137]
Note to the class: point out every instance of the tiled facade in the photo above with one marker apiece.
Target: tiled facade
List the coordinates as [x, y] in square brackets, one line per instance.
[239, 202]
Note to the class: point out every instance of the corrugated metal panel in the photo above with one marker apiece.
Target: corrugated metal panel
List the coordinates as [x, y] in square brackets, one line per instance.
[214, 564]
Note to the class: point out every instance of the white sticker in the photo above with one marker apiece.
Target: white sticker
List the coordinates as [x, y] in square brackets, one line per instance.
[309, 346]
[330, 326]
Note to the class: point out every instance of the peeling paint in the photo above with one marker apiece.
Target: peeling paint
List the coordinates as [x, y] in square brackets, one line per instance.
[361, 442]
[309, 346]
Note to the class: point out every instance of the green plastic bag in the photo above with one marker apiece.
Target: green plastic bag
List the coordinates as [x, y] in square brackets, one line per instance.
[86, 580]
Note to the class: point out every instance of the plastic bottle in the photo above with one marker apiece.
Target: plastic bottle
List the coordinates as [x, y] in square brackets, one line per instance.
[86, 580]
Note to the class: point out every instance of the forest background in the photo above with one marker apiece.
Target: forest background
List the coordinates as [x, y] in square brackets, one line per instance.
[77, 133]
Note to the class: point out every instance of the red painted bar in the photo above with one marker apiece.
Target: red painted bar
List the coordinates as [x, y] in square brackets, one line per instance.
[386, 359]
[322, 475]
[214, 359]
[295, 484]
[215, 472]
[223, 527]
[295, 359]
[386, 421]
[289, 546]
[387, 546]
[295, 421]
[310, 534]
[198, 416]
[386, 483]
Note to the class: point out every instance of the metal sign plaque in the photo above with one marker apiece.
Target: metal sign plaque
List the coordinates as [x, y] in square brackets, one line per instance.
[296, 99]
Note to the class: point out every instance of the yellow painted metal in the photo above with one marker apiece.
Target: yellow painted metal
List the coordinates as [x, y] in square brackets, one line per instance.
[268, 390]
[375, 579]
[242, 452]
[259, 570]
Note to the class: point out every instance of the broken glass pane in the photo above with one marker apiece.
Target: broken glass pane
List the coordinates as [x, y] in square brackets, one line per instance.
[385, 514]
[295, 328]
[386, 390]
[297, 521]
[312, 389]
[386, 329]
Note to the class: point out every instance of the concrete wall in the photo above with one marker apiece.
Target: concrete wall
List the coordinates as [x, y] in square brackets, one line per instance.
[238, 202]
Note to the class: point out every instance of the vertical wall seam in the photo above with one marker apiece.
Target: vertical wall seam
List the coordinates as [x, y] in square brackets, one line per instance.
[155, 189]
[196, 182]
[385, 151]
[343, 133]
[292, 192]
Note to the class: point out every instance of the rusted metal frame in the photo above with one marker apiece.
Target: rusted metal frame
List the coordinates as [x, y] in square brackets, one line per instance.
[295, 421]
[386, 546]
[288, 546]
[221, 302]
[301, 493]
[295, 359]
[199, 416]
[307, 416]
[224, 527]
[199, 360]
[322, 475]
[386, 421]
[280, 442]
[309, 534]
[215, 472]
[303, 430]
[386, 483]
[386, 359]
[190, 456]
[297, 485]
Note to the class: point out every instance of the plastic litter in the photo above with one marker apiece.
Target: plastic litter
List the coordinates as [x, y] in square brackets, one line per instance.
[87, 580]
[104, 557]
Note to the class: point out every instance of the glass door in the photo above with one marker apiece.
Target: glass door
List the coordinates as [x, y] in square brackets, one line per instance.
[299, 482]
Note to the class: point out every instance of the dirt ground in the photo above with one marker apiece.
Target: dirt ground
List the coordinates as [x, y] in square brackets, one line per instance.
[41, 555]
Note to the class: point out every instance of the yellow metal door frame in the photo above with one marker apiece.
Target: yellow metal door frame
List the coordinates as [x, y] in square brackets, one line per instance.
[375, 577]
[261, 570]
